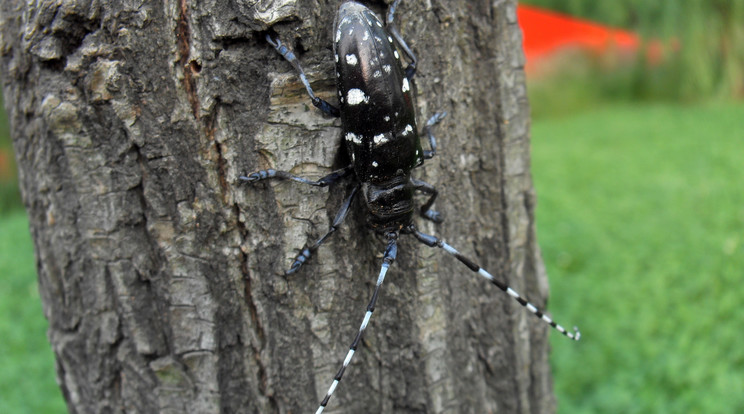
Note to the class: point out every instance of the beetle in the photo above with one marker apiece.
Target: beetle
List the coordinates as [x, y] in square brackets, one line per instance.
[381, 137]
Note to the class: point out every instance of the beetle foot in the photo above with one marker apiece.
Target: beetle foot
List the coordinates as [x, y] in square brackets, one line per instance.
[301, 258]
[258, 176]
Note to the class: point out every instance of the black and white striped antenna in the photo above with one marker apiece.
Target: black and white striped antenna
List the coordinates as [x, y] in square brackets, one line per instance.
[390, 253]
[431, 241]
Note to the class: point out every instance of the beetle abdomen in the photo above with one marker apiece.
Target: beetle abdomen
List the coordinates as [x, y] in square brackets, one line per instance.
[376, 99]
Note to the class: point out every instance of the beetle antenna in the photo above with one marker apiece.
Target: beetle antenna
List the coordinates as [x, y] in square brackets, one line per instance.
[390, 252]
[433, 241]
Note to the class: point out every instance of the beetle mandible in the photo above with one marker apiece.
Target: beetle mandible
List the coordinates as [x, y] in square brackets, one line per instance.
[379, 129]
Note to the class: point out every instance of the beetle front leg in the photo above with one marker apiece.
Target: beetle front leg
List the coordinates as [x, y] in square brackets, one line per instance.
[292, 59]
[307, 251]
[426, 210]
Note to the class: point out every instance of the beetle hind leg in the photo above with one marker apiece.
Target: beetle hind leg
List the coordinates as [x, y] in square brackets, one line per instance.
[292, 59]
[390, 24]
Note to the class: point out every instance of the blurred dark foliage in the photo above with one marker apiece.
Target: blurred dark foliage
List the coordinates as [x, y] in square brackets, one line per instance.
[702, 46]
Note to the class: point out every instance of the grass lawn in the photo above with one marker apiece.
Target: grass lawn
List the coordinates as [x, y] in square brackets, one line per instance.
[641, 223]
[27, 380]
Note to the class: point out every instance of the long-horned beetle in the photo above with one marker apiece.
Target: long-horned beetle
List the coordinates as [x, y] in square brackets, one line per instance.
[381, 136]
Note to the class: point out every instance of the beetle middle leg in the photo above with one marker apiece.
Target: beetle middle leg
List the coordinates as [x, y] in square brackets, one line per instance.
[435, 119]
[291, 58]
[426, 210]
[329, 179]
[390, 24]
[284, 175]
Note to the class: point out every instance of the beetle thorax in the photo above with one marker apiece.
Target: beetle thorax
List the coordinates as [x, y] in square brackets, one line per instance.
[390, 203]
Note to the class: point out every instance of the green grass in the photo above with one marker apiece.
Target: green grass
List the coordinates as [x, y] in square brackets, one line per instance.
[641, 223]
[27, 380]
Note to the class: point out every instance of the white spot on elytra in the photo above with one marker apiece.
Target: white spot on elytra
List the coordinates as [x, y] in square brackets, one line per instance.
[375, 164]
[397, 56]
[405, 87]
[336, 58]
[387, 118]
[351, 59]
[378, 39]
[378, 23]
[356, 96]
[407, 130]
[386, 68]
[380, 139]
[338, 35]
[377, 74]
[352, 137]
[366, 35]
[390, 39]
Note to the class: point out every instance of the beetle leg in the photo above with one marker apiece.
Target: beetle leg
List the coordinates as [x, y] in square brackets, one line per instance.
[411, 68]
[307, 251]
[284, 175]
[292, 59]
[435, 119]
[426, 210]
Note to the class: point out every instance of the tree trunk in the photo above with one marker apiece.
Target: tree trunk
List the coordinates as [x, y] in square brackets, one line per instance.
[162, 275]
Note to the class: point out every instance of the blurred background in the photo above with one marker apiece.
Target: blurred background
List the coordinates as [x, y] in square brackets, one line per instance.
[637, 155]
[638, 162]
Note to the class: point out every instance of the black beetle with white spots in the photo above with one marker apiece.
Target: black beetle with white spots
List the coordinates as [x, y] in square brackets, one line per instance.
[381, 136]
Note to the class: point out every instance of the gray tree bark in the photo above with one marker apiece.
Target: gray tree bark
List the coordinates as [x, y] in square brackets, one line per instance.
[161, 275]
